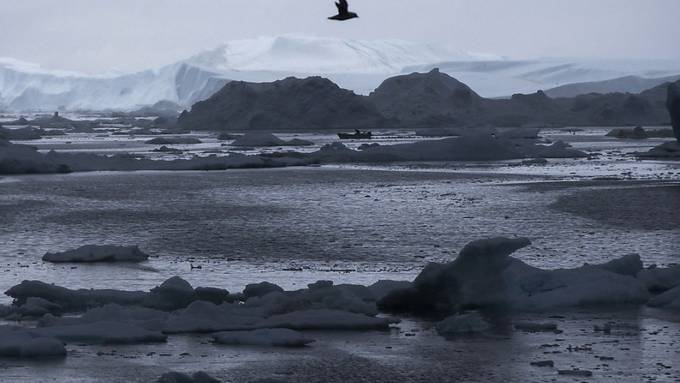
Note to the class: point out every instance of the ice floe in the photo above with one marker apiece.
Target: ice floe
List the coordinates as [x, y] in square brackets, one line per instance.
[473, 146]
[255, 139]
[17, 342]
[102, 332]
[179, 377]
[97, 253]
[263, 337]
[260, 289]
[326, 319]
[470, 147]
[173, 141]
[174, 293]
[70, 299]
[484, 275]
[37, 307]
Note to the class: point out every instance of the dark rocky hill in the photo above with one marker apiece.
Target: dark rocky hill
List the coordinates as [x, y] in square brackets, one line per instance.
[417, 100]
[435, 99]
[291, 104]
[627, 84]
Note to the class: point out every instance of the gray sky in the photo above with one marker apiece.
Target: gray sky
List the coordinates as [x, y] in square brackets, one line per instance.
[104, 35]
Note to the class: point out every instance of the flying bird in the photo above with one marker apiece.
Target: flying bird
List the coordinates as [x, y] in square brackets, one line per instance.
[343, 12]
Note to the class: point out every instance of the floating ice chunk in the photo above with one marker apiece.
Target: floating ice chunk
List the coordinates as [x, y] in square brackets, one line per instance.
[37, 307]
[6, 311]
[263, 337]
[146, 318]
[204, 317]
[583, 286]
[175, 293]
[95, 253]
[472, 147]
[178, 377]
[325, 319]
[267, 303]
[627, 265]
[535, 161]
[518, 133]
[15, 342]
[320, 295]
[484, 275]
[543, 363]
[73, 299]
[575, 372]
[536, 326]
[213, 294]
[173, 141]
[255, 139]
[667, 300]
[659, 279]
[460, 324]
[104, 332]
[260, 289]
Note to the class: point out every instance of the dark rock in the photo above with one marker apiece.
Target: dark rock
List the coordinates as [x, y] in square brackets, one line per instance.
[673, 105]
[435, 100]
[667, 150]
[291, 104]
[576, 372]
[637, 133]
[424, 99]
[543, 363]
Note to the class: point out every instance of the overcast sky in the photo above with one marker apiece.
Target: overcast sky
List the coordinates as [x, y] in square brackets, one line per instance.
[124, 35]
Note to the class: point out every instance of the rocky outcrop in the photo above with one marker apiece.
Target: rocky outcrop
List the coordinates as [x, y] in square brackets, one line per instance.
[436, 100]
[413, 101]
[669, 150]
[426, 99]
[292, 104]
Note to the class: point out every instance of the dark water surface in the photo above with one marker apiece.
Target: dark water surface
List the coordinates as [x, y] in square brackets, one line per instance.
[293, 226]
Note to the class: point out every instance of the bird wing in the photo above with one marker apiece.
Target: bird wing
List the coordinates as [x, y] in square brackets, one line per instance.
[343, 6]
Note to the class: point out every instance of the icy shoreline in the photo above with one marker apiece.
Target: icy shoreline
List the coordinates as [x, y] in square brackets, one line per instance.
[482, 146]
[484, 277]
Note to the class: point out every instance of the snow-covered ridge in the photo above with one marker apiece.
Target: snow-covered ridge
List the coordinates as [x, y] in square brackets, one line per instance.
[304, 54]
[10, 63]
[358, 65]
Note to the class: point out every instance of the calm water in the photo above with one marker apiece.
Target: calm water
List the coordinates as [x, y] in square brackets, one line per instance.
[353, 224]
[296, 225]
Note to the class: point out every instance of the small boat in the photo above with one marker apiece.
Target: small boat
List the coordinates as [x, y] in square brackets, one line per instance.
[357, 135]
